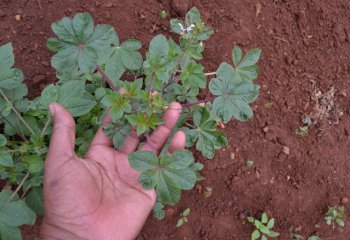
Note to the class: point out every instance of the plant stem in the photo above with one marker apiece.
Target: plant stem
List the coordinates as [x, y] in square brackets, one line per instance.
[151, 82]
[19, 133]
[198, 102]
[25, 191]
[171, 81]
[189, 125]
[19, 187]
[46, 126]
[17, 113]
[107, 79]
[210, 74]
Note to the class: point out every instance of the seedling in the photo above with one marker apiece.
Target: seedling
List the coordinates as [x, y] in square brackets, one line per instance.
[314, 238]
[163, 14]
[208, 192]
[91, 64]
[302, 131]
[250, 164]
[183, 217]
[335, 215]
[263, 227]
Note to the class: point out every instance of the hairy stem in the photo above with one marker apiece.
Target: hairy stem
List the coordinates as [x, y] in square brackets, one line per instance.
[17, 113]
[151, 82]
[19, 132]
[210, 74]
[107, 79]
[19, 187]
[198, 102]
[46, 126]
[189, 125]
[172, 79]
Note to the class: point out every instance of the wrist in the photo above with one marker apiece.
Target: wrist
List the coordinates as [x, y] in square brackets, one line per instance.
[50, 231]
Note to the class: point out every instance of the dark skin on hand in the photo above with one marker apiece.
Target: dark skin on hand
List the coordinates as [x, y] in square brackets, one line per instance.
[98, 196]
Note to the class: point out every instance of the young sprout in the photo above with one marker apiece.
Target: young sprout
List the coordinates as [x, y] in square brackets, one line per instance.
[163, 14]
[302, 131]
[183, 217]
[263, 227]
[335, 214]
[208, 192]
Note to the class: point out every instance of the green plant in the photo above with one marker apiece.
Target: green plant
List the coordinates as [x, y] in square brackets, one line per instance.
[302, 131]
[314, 238]
[335, 214]
[163, 14]
[91, 65]
[183, 217]
[263, 227]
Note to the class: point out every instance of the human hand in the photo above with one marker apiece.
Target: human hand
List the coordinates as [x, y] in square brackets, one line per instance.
[98, 196]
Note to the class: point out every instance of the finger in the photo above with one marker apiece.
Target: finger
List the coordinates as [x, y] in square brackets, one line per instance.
[178, 141]
[63, 135]
[130, 144]
[100, 137]
[162, 132]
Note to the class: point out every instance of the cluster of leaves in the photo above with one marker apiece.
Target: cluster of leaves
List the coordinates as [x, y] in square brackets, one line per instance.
[263, 227]
[335, 214]
[183, 217]
[98, 74]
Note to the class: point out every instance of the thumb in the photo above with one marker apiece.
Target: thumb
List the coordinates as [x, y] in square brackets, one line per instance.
[63, 135]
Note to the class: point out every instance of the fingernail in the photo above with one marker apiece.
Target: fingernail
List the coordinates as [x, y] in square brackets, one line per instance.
[52, 108]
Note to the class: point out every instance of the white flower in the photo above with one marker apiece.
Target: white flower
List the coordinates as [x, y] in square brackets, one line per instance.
[186, 30]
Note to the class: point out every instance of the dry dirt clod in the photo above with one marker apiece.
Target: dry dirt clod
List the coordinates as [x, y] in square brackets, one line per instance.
[345, 200]
[266, 129]
[18, 18]
[285, 150]
[232, 156]
[180, 6]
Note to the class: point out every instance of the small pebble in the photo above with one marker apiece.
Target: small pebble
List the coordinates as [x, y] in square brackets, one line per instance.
[18, 18]
[285, 150]
[232, 156]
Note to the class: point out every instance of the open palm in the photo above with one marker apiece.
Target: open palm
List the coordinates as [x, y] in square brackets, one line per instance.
[98, 196]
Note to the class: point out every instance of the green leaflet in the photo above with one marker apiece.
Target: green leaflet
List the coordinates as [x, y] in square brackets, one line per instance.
[192, 75]
[246, 69]
[9, 77]
[157, 65]
[78, 43]
[13, 214]
[118, 104]
[35, 200]
[71, 95]
[205, 134]
[122, 57]
[233, 95]
[168, 174]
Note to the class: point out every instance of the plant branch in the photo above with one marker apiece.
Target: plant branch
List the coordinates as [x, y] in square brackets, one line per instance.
[19, 132]
[189, 125]
[46, 126]
[171, 81]
[107, 79]
[19, 187]
[197, 102]
[17, 113]
[151, 82]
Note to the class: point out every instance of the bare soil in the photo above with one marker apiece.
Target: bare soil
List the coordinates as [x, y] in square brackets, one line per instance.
[306, 52]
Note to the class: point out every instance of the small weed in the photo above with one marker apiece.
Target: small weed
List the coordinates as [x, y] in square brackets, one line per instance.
[335, 214]
[294, 235]
[183, 217]
[208, 192]
[250, 163]
[268, 105]
[263, 227]
[313, 237]
[163, 14]
[302, 131]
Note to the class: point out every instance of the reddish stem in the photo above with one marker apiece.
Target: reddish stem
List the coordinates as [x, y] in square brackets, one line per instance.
[107, 79]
